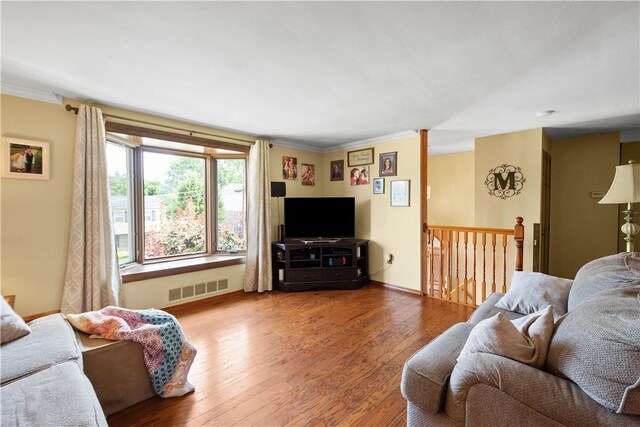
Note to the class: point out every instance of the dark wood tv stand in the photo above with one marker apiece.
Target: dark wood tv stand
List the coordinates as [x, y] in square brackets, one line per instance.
[336, 265]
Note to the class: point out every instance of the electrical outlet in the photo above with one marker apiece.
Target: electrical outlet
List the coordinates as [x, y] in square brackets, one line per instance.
[389, 258]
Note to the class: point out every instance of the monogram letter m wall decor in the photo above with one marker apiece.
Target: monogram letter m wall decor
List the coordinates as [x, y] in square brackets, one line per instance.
[505, 181]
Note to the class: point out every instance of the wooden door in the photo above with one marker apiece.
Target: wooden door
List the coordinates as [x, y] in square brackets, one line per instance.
[545, 214]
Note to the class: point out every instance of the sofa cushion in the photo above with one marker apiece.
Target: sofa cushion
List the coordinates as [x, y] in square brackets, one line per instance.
[553, 397]
[51, 341]
[13, 327]
[531, 292]
[58, 396]
[597, 346]
[488, 309]
[426, 373]
[525, 340]
[610, 272]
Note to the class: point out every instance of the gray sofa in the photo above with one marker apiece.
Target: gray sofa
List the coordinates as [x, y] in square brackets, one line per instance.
[591, 375]
[42, 379]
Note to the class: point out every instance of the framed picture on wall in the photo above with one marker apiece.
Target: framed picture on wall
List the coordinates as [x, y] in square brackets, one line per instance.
[400, 191]
[25, 159]
[289, 167]
[337, 170]
[359, 176]
[378, 185]
[308, 174]
[389, 164]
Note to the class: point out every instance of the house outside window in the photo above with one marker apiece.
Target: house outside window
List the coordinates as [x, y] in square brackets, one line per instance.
[119, 216]
[149, 214]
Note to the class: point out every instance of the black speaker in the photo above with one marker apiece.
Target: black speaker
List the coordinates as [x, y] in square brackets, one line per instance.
[278, 189]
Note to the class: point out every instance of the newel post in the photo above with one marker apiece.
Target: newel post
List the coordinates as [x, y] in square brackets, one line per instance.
[518, 236]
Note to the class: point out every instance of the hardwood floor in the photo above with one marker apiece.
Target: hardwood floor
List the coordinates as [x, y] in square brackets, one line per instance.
[308, 358]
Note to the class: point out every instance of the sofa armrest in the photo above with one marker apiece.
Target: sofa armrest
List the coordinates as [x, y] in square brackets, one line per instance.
[553, 397]
[488, 309]
[426, 373]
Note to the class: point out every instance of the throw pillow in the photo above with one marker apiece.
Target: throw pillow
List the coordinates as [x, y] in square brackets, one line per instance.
[597, 346]
[531, 292]
[525, 340]
[12, 325]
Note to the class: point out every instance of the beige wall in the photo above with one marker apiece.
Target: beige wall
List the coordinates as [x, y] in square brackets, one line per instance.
[451, 178]
[581, 229]
[294, 186]
[390, 230]
[155, 293]
[394, 230]
[523, 149]
[36, 214]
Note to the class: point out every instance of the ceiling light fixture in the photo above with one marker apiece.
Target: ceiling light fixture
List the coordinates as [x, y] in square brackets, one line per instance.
[545, 113]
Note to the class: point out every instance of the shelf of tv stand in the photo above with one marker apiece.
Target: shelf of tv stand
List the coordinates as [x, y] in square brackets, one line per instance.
[316, 265]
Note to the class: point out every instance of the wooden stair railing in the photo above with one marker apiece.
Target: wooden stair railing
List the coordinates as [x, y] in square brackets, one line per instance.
[466, 264]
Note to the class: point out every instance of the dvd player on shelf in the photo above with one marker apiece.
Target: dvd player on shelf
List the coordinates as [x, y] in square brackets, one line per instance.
[306, 242]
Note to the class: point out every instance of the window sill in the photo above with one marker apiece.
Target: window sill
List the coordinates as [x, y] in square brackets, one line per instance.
[138, 272]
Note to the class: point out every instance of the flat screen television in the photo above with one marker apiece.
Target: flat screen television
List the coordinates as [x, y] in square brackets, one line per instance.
[319, 218]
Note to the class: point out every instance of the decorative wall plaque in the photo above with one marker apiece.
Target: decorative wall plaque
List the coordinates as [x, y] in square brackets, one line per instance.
[360, 157]
[505, 181]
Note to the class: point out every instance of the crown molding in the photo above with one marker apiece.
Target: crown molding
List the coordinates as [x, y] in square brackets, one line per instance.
[372, 141]
[345, 146]
[296, 145]
[629, 135]
[36, 94]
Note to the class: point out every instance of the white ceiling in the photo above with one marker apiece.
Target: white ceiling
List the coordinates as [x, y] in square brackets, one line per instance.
[332, 73]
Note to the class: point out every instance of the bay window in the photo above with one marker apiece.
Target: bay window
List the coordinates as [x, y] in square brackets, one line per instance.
[171, 198]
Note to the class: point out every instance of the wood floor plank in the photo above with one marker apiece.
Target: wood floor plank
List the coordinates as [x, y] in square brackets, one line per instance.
[321, 358]
[367, 394]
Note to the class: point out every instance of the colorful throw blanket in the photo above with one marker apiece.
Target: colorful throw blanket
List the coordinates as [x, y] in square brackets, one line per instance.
[167, 353]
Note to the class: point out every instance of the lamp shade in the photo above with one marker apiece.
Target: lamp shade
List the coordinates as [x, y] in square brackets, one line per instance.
[625, 187]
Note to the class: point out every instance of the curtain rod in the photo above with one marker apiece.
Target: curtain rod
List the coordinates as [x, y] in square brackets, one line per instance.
[69, 107]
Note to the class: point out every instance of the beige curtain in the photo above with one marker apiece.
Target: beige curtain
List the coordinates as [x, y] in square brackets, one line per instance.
[92, 280]
[257, 276]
